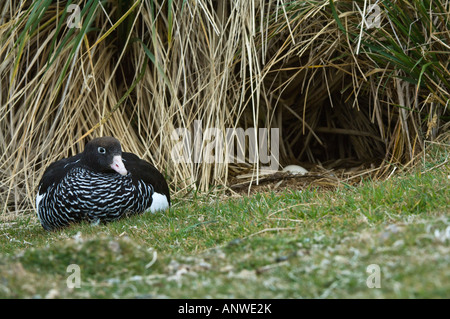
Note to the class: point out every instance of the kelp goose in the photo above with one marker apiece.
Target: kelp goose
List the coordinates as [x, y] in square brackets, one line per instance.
[100, 184]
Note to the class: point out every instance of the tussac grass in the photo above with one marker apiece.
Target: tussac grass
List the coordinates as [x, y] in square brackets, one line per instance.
[140, 70]
[297, 244]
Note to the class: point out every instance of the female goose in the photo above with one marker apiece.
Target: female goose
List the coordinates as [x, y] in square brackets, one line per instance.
[100, 184]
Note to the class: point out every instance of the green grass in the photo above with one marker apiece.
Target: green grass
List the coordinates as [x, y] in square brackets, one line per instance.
[296, 244]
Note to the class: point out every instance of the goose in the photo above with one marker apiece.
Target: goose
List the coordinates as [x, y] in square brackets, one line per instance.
[101, 184]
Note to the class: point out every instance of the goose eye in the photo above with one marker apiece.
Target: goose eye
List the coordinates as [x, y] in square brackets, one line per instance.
[101, 150]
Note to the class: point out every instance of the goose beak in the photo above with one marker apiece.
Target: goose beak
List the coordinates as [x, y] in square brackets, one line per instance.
[118, 166]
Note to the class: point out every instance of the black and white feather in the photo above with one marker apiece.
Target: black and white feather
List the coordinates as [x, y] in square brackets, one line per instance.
[99, 185]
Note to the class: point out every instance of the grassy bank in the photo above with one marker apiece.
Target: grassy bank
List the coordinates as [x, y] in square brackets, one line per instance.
[295, 244]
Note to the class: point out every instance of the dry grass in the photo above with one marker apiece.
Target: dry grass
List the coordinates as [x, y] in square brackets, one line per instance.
[304, 67]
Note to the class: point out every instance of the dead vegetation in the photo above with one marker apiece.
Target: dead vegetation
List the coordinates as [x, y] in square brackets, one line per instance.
[341, 93]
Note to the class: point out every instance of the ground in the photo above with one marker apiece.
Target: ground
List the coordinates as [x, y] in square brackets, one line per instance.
[349, 238]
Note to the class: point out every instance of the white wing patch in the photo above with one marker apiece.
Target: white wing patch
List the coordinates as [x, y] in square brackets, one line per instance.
[39, 197]
[159, 202]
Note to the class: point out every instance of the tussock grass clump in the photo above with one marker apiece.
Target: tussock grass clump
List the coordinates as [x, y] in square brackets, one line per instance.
[336, 86]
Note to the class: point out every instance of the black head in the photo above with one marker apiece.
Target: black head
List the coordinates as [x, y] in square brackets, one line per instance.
[104, 154]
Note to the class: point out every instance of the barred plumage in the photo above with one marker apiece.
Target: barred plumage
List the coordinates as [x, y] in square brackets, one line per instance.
[99, 185]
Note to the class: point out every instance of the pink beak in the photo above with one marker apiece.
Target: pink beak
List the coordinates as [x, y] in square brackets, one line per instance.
[118, 166]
